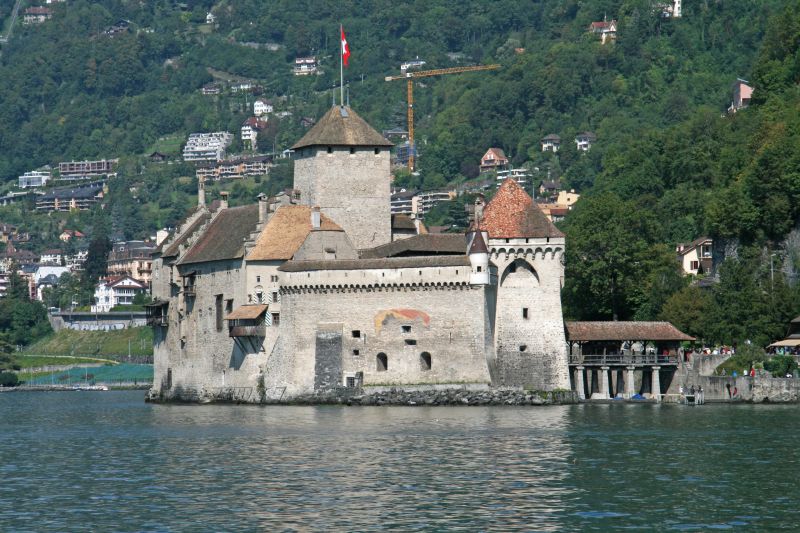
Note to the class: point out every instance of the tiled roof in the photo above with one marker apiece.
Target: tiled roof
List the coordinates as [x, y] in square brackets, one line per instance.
[498, 153]
[551, 137]
[341, 126]
[247, 312]
[403, 222]
[478, 245]
[513, 214]
[625, 331]
[224, 237]
[285, 232]
[173, 249]
[428, 244]
[366, 264]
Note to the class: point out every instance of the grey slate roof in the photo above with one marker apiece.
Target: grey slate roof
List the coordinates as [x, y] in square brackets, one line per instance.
[387, 262]
[224, 237]
[173, 249]
[421, 245]
[341, 126]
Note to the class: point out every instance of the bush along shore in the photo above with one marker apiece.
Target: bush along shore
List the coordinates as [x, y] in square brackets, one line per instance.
[391, 396]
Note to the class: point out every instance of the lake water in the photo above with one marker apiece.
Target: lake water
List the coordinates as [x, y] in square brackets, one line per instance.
[106, 461]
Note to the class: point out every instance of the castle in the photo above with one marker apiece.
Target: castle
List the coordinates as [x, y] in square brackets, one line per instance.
[321, 288]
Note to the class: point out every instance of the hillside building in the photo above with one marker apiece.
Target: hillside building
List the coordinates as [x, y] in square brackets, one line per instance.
[606, 29]
[305, 66]
[132, 259]
[262, 107]
[696, 257]
[551, 143]
[742, 93]
[76, 170]
[322, 288]
[71, 198]
[115, 291]
[207, 146]
[34, 179]
[493, 160]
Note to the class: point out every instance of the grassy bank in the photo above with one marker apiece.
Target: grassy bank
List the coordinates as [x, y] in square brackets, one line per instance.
[38, 361]
[95, 343]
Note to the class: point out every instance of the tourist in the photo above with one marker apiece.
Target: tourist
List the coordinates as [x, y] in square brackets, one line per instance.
[752, 371]
[728, 386]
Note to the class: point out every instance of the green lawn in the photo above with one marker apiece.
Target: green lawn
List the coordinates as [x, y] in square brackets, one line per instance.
[95, 343]
[169, 145]
[36, 361]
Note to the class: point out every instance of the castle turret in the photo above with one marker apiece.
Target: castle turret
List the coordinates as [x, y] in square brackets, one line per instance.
[479, 260]
[342, 166]
[527, 250]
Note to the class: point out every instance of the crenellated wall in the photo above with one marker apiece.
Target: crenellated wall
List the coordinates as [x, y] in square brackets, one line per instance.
[530, 343]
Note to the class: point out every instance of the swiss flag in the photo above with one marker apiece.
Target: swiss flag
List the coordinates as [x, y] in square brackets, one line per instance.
[345, 47]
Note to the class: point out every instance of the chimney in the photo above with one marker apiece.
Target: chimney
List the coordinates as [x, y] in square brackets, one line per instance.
[315, 217]
[201, 191]
[223, 199]
[478, 210]
[262, 208]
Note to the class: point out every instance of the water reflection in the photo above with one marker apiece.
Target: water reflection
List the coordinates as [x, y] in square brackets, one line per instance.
[73, 461]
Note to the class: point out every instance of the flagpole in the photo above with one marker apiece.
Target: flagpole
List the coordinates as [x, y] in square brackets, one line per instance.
[341, 67]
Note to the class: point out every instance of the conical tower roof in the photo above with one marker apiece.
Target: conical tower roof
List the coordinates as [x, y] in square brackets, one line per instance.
[478, 245]
[341, 126]
[512, 214]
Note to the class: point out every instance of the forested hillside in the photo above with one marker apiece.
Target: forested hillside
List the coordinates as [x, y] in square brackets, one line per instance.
[669, 164]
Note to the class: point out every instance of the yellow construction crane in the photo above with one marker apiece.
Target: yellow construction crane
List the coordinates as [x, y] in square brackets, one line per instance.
[410, 76]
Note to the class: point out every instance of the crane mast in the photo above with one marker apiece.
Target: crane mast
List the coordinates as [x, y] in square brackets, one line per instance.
[409, 77]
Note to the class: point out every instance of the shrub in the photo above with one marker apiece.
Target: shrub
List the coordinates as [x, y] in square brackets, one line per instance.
[780, 365]
[8, 379]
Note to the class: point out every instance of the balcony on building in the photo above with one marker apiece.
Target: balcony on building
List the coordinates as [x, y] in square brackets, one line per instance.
[247, 321]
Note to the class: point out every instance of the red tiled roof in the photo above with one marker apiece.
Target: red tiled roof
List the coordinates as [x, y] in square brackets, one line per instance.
[513, 214]
[625, 331]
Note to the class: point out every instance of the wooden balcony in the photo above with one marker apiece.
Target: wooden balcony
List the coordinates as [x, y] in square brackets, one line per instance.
[247, 331]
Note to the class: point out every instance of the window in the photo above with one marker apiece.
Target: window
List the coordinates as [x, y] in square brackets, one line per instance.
[356, 352]
[260, 297]
[351, 382]
[273, 278]
[411, 342]
[229, 306]
[695, 265]
[330, 150]
[276, 319]
[524, 312]
[377, 151]
[480, 269]
[275, 298]
[218, 305]
[425, 361]
[352, 151]
[356, 333]
[258, 279]
[382, 362]
[523, 347]
[406, 329]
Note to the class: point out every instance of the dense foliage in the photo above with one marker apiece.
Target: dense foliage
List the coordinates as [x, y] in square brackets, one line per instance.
[669, 164]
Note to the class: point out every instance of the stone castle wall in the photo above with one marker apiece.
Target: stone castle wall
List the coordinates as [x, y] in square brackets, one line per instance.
[191, 354]
[530, 343]
[330, 334]
[353, 189]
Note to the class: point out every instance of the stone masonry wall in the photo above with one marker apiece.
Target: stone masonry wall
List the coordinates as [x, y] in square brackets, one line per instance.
[448, 323]
[531, 350]
[192, 350]
[352, 189]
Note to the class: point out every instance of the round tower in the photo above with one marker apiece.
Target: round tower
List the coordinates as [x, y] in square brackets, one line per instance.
[478, 259]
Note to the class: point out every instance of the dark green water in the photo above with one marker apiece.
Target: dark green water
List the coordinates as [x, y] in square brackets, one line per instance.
[106, 461]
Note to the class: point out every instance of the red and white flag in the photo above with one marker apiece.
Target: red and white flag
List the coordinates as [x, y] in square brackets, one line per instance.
[345, 47]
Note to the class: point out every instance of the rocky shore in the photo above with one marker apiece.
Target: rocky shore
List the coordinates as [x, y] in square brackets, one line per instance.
[393, 396]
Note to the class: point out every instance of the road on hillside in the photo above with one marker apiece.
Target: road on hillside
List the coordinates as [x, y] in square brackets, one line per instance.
[14, 12]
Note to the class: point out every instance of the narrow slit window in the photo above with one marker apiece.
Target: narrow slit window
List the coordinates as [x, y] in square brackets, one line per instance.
[382, 362]
[524, 312]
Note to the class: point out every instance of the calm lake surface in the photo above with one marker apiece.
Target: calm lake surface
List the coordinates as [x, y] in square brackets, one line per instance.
[106, 461]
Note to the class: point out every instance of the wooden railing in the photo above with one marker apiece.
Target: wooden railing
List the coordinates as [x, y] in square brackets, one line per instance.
[623, 359]
[248, 331]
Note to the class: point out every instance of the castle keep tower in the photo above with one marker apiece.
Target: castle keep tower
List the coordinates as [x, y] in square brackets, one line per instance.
[342, 166]
[527, 250]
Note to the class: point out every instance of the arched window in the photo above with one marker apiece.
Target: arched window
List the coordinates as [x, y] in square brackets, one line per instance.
[425, 361]
[382, 361]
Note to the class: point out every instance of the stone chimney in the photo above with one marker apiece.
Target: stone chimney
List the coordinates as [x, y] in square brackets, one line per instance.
[201, 191]
[478, 210]
[262, 208]
[223, 199]
[315, 218]
[161, 236]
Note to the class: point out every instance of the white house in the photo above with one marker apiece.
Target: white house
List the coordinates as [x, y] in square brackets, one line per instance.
[262, 107]
[210, 18]
[250, 129]
[111, 292]
[34, 178]
[696, 256]
[551, 143]
[584, 141]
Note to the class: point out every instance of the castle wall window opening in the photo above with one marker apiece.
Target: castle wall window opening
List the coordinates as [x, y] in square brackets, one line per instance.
[382, 362]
